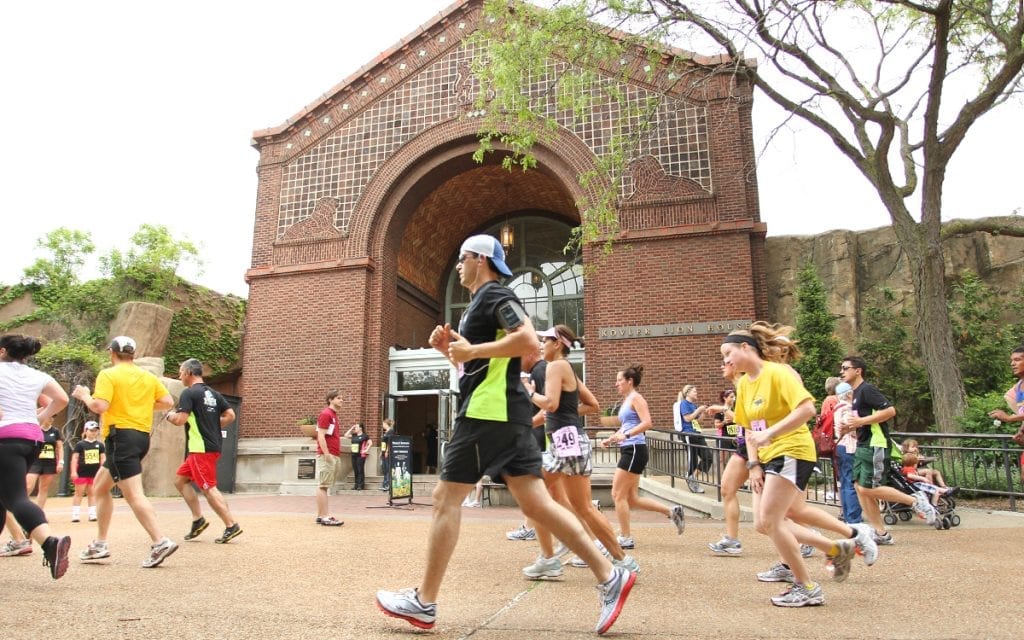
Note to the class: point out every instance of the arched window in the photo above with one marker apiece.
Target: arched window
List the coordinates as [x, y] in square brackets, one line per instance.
[549, 282]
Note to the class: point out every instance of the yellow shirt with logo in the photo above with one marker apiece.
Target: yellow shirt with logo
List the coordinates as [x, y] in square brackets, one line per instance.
[131, 393]
[762, 403]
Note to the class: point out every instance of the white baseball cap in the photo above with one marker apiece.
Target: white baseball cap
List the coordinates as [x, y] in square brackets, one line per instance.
[489, 246]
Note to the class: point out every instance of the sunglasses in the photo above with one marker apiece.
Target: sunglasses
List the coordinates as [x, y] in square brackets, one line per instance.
[467, 256]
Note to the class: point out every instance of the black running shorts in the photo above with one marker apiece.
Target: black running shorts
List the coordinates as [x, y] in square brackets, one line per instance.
[484, 448]
[125, 450]
[633, 458]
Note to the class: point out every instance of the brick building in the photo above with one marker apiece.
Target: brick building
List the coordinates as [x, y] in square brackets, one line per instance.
[365, 196]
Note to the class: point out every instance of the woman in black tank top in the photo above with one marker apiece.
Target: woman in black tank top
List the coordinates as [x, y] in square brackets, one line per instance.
[567, 461]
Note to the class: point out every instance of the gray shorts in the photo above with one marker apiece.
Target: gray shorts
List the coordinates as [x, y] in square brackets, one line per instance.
[581, 465]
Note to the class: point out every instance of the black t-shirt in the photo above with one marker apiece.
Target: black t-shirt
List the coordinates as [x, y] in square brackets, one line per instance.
[489, 387]
[48, 454]
[205, 406]
[866, 400]
[88, 457]
[356, 442]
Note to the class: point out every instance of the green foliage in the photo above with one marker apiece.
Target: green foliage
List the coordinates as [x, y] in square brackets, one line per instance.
[148, 270]
[815, 330]
[198, 333]
[983, 340]
[71, 363]
[52, 275]
[893, 364]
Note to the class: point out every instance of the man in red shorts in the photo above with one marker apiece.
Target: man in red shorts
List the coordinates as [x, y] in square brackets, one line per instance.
[206, 413]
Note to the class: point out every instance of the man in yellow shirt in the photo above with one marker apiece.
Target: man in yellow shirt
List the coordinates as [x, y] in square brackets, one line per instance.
[125, 398]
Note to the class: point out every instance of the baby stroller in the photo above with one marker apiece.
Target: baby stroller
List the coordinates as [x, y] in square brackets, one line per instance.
[891, 512]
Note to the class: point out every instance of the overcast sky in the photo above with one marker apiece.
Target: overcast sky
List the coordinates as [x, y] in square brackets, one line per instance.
[123, 113]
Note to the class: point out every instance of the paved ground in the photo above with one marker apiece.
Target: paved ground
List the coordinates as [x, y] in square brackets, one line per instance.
[288, 578]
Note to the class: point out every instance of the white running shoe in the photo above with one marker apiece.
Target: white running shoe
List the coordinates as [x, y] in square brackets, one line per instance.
[15, 548]
[543, 568]
[865, 541]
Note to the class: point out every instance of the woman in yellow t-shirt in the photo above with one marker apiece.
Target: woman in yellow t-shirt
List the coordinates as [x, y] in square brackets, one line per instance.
[773, 409]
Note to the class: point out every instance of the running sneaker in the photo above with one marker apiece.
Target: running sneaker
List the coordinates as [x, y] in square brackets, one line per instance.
[472, 504]
[159, 552]
[839, 564]
[626, 542]
[15, 548]
[229, 534]
[579, 563]
[522, 533]
[923, 508]
[199, 526]
[806, 551]
[600, 547]
[693, 485]
[543, 568]
[726, 547]
[678, 517]
[613, 597]
[865, 542]
[800, 596]
[95, 551]
[628, 563]
[560, 551]
[778, 573]
[883, 540]
[55, 555]
[406, 605]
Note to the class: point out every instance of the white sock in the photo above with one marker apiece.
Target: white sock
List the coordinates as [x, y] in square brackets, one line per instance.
[76, 512]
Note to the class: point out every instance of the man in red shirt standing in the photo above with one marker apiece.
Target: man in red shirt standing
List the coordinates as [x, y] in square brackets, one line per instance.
[328, 456]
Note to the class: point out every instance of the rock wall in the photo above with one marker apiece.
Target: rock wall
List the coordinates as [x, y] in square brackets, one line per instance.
[854, 266]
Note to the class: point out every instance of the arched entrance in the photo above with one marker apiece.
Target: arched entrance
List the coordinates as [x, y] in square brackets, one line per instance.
[449, 201]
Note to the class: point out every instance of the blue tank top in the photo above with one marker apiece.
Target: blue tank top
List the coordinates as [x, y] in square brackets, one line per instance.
[629, 419]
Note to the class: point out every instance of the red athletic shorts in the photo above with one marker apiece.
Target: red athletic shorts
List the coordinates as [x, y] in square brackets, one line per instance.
[201, 468]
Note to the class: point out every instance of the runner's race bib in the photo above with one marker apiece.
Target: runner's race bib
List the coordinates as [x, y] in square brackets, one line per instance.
[567, 442]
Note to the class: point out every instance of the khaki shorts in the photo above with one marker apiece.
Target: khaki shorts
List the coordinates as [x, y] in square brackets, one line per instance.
[328, 466]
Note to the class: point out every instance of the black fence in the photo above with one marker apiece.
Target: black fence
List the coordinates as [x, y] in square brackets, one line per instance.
[983, 466]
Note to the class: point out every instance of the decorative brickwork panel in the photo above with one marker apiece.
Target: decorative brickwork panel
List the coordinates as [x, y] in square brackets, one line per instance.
[340, 166]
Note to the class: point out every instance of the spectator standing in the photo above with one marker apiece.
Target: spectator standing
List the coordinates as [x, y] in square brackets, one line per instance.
[328, 456]
[125, 398]
[687, 411]
[846, 447]
[88, 456]
[386, 434]
[360, 448]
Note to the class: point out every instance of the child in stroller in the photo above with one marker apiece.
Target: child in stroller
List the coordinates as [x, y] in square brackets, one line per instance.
[943, 502]
[924, 481]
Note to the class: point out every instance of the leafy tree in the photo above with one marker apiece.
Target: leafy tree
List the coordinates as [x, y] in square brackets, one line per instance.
[51, 276]
[815, 329]
[897, 103]
[148, 269]
[983, 340]
[893, 365]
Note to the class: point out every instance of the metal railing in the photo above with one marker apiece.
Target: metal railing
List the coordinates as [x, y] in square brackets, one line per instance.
[981, 465]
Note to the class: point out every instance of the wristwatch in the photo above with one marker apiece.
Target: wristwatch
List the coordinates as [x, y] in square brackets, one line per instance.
[753, 463]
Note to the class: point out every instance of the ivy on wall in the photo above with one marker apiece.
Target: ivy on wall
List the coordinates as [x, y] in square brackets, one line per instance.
[215, 339]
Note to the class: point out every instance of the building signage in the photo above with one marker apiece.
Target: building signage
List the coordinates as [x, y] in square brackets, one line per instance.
[673, 329]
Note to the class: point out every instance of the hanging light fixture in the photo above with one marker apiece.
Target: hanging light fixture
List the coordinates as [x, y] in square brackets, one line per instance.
[508, 236]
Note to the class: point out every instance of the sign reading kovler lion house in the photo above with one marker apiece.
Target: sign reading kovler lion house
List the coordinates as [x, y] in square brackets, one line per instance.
[672, 330]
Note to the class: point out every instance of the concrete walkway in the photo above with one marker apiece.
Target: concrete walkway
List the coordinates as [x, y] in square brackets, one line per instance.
[286, 577]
